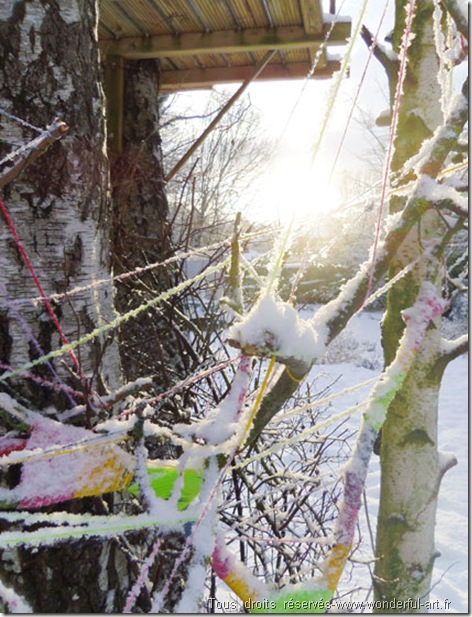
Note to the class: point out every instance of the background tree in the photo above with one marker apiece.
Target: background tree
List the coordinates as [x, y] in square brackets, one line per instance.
[221, 178]
[141, 233]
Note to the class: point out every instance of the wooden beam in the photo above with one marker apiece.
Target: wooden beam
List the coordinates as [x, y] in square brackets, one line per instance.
[312, 17]
[312, 22]
[194, 79]
[225, 41]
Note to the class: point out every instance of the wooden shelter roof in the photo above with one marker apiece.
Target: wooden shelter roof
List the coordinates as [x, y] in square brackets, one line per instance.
[203, 42]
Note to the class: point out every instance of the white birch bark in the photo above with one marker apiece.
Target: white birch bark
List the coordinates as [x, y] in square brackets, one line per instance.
[411, 466]
[61, 209]
[60, 205]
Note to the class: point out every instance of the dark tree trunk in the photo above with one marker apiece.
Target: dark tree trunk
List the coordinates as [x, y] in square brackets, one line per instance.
[150, 345]
[141, 234]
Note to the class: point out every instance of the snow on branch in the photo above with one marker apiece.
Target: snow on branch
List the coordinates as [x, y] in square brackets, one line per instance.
[434, 151]
[274, 328]
[457, 14]
[453, 349]
[442, 196]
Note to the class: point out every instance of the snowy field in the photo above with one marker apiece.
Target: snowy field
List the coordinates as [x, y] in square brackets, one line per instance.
[450, 578]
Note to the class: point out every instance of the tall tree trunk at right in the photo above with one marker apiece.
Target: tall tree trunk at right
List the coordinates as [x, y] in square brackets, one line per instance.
[410, 462]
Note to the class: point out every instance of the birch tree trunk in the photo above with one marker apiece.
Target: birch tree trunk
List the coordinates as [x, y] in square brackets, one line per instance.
[61, 209]
[60, 204]
[411, 467]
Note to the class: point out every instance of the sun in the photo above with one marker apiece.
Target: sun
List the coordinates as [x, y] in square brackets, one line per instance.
[292, 190]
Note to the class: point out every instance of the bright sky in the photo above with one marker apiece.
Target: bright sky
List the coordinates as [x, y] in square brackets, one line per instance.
[300, 180]
[296, 183]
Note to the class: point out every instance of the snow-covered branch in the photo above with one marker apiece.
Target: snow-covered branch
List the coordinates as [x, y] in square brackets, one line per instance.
[454, 206]
[434, 151]
[452, 349]
[443, 196]
[274, 328]
[457, 14]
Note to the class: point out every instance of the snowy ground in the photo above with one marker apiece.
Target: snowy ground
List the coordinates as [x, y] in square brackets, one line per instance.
[361, 348]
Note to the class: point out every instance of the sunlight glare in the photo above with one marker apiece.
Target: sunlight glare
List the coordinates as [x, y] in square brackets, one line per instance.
[292, 190]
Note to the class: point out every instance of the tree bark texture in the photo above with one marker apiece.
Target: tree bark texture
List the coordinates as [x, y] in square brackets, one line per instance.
[410, 461]
[93, 576]
[61, 208]
[141, 234]
[60, 205]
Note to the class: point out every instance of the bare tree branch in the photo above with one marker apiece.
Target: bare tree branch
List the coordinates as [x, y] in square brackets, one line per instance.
[389, 63]
[454, 349]
[54, 131]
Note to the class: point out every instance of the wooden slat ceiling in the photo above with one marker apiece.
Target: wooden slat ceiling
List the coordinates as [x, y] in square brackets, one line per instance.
[203, 42]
